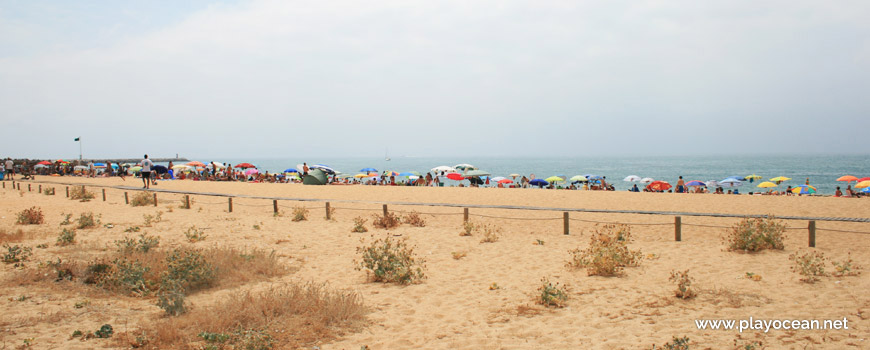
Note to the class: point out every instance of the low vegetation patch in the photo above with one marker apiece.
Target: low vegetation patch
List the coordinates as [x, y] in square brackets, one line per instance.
[66, 219]
[552, 295]
[87, 220]
[48, 191]
[30, 216]
[145, 242]
[684, 284]
[386, 221]
[753, 235]
[142, 199]
[468, 228]
[300, 213]
[846, 267]
[675, 344]
[66, 237]
[459, 255]
[290, 316]
[413, 218]
[16, 254]
[194, 234]
[608, 252]
[390, 260]
[150, 219]
[491, 233]
[809, 265]
[80, 194]
[359, 225]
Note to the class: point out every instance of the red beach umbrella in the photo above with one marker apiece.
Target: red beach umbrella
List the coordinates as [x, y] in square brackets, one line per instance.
[455, 176]
[863, 179]
[245, 165]
[44, 162]
[506, 181]
[196, 164]
[659, 186]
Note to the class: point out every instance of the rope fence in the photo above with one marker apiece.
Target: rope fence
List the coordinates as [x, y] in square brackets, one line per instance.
[566, 219]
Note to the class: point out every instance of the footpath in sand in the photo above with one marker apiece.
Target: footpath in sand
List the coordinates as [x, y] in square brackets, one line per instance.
[457, 306]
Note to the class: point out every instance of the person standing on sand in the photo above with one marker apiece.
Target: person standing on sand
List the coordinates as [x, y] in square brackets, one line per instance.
[304, 169]
[681, 185]
[10, 169]
[146, 165]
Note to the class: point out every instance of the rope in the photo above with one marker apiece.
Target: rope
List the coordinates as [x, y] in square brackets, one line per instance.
[360, 209]
[622, 223]
[846, 231]
[508, 218]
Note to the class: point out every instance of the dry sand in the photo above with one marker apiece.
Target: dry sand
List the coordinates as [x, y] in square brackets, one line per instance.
[454, 307]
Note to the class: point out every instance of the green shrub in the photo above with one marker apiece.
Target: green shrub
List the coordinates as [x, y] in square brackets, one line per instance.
[194, 234]
[142, 199]
[105, 331]
[170, 298]
[144, 244]
[128, 276]
[388, 260]
[846, 267]
[552, 295]
[810, 265]
[80, 194]
[66, 237]
[359, 224]
[752, 235]
[189, 268]
[16, 253]
[608, 252]
[31, 216]
[88, 220]
[678, 344]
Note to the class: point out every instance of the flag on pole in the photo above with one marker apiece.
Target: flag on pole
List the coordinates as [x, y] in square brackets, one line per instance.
[77, 138]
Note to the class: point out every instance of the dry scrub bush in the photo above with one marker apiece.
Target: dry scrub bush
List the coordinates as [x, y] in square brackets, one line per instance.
[468, 228]
[289, 316]
[80, 194]
[129, 245]
[810, 265]
[607, 253]
[459, 255]
[300, 213]
[846, 267]
[16, 254]
[413, 218]
[490, 233]
[48, 191]
[142, 199]
[387, 221]
[359, 225]
[552, 295]
[66, 237]
[678, 344]
[194, 234]
[30, 216]
[684, 284]
[87, 220]
[11, 236]
[390, 260]
[752, 235]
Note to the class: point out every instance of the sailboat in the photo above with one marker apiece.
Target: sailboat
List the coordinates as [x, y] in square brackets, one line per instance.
[386, 154]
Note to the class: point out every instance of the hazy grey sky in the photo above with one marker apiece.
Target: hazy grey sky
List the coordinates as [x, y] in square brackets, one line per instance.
[276, 78]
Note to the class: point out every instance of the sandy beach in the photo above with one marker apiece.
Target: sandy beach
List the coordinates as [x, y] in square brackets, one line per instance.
[455, 306]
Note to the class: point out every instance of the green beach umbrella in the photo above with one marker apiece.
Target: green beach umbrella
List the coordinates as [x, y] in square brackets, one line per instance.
[477, 173]
[554, 179]
[579, 178]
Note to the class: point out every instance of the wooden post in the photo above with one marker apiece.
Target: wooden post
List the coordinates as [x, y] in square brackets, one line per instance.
[565, 222]
[275, 206]
[19, 186]
[678, 228]
[812, 229]
[40, 188]
[67, 192]
[126, 198]
[328, 216]
[104, 195]
[28, 187]
[4, 184]
[155, 199]
[464, 215]
[187, 201]
[385, 210]
[230, 204]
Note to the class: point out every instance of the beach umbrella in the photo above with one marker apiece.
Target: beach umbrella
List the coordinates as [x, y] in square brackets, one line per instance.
[291, 170]
[135, 169]
[647, 180]
[444, 168]
[659, 186]
[632, 178]
[863, 184]
[40, 166]
[455, 176]
[753, 177]
[864, 179]
[712, 183]
[505, 181]
[514, 175]
[181, 167]
[99, 165]
[695, 183]
[114, 165]
[160, 169]
[498, 178]
[391, 173]
[218, 165]
[245, 165]
[866, 190]
[368, 170]
[730, 183]
[324, 168]
[63, 161]
[554, 179]
[847, 178]
[407, 173]
[579, 178]
[477, 173]
[80, 167]
[780, 179]
[465, 167]
[44, 162]
[804, 189]
[360, 176]
[539, 182]
[766, 184]
[196, 164]
[251, 171]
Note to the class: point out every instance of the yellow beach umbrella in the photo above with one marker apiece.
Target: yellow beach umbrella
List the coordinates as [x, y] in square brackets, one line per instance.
[863, 184]
[780, 179]
[753, 176]
[554, 179]
[360, 176]
[766, 184]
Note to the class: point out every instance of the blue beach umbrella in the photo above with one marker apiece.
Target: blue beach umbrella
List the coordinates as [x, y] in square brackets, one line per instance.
[291, 170]
[695, 183]
[593, 177]
[539, 182]
[407, 173]
[368, 170]
[866, 190]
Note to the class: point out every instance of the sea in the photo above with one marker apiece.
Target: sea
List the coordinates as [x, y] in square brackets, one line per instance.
[821, 170]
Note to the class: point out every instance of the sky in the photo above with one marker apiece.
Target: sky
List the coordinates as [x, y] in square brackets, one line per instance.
[287, 78]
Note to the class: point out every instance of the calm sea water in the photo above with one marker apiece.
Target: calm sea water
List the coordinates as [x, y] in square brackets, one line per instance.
[821, 170]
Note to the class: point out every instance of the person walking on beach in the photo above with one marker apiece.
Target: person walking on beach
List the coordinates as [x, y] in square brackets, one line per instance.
[10, 169]
[146, 165]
